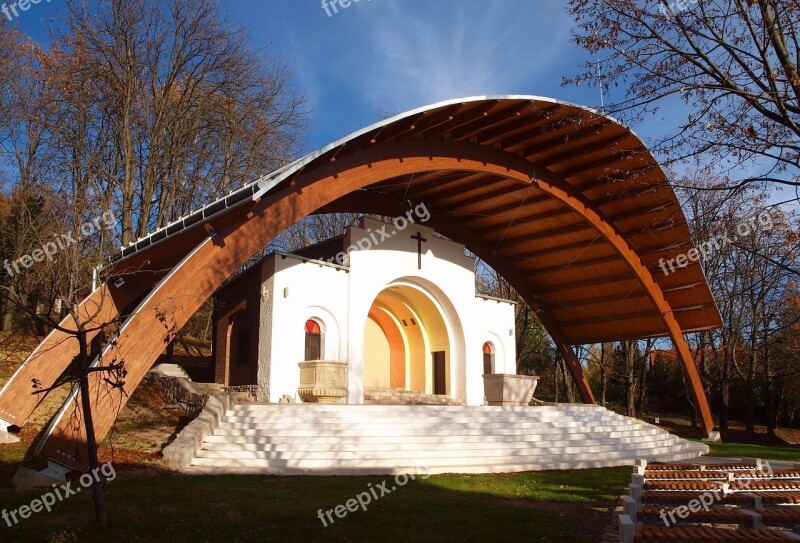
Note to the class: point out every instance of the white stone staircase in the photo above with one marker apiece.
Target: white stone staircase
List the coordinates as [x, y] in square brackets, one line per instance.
[381, 439]
[172, 370]
[398, 396]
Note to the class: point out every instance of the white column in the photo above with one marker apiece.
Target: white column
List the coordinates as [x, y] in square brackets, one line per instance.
[355, 369]
[473, 360]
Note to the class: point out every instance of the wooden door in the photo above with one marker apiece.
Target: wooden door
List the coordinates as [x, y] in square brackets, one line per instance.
[439, 373]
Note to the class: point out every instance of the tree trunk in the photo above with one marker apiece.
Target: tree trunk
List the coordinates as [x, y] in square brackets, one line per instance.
[725, 391]
[749, 423]
[98, 484]
[556, 377]
[603, 383]
[6, 313]
[630, 378]
[569, 389]
[640, 402]
[750, 395]
[769, 393]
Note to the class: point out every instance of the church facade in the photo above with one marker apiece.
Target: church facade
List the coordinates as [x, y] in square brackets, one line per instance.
[394, 301]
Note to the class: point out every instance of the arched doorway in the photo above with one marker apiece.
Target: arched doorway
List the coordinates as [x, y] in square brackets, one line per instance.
[407, 343]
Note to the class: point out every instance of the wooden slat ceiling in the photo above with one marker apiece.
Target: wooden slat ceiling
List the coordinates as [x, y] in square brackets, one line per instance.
[578, 276]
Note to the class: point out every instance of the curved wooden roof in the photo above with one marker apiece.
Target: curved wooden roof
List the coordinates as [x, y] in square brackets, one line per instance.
[565, 203]
[590, 178]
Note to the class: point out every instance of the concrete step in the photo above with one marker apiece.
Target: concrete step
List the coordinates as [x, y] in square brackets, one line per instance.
[407, 417]
[343, 410]
[565, 446]
[397, 396]
[392, 443]
[338, 455]
[391, 440]
[424, 424]
[410, 468]
[209, 388]
[347, 416]
[426, 460]
[311, 433]
[172, 370]
[345, 439]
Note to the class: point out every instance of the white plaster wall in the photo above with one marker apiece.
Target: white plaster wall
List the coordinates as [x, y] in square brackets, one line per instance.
[265, 336]
[448, 275]
[301, 291]
[341, 300]
[488, 321]
[497, 327]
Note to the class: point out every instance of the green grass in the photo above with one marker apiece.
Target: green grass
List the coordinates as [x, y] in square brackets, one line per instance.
[789, 454]
[447, 508]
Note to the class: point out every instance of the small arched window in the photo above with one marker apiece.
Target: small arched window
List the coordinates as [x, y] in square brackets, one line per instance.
[313, 340]
[488, 358]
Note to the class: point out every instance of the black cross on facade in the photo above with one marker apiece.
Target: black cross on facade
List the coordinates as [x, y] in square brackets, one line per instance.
[420, 241]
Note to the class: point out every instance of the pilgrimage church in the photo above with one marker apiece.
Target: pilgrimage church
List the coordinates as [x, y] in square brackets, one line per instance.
[389, 304]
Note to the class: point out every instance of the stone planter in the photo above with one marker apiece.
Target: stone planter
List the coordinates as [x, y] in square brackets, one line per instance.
[322, 381]
[506, 389]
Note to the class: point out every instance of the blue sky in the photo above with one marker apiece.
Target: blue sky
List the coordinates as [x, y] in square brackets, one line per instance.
[380, 57]
[388, 56]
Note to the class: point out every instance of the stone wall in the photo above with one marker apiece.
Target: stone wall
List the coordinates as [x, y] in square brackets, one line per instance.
[177, 391]
[180, 453]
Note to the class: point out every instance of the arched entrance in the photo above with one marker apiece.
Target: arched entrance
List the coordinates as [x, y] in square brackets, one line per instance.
[407, 343]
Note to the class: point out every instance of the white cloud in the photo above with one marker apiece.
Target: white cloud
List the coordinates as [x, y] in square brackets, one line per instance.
[419, 52]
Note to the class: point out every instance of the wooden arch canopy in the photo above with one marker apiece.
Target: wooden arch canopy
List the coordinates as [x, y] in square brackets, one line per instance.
[567, 204]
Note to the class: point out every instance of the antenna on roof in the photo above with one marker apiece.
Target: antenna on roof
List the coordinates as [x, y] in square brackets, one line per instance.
[600, 80]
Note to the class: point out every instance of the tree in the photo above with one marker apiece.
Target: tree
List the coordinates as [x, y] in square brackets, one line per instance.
[138, 112]
[33, 264]
[631, 370]
[601, 357]
[732, 62]
[750, 273]
[166, 107]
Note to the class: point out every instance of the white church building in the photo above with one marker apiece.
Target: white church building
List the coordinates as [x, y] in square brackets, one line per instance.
[394, 301]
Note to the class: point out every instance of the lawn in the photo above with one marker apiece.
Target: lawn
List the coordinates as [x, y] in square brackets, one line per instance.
[568, 506]
[738, 450]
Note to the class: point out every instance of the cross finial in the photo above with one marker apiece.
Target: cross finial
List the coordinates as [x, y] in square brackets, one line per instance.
[420, 240]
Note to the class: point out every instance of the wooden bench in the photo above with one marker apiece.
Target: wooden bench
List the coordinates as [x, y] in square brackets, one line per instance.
[765, 485]
[717, 514]
[701, 486]
[630, 533]
[736, 498]
[661, 496]
[684, 496]
[721, 475]
[789, 516]
[741, 466]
